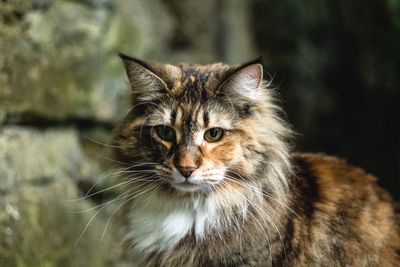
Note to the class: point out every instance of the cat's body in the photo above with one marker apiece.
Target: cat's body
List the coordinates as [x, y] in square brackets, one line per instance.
[212, 181]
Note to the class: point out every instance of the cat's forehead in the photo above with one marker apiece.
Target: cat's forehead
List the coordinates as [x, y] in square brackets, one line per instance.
[191, 116]
[193, 87]
[191, 78]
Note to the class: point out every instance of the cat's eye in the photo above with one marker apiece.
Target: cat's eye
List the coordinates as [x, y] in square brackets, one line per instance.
[213, 134]
[165, 132]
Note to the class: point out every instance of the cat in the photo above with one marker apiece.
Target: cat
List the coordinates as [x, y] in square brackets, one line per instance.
[212, 181]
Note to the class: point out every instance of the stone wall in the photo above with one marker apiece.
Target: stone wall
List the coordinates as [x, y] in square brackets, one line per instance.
[63, 90]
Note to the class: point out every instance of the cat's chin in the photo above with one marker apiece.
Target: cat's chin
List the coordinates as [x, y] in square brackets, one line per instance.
[187, 187]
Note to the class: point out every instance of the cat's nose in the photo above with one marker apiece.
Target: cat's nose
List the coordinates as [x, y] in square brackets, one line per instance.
[186, 171]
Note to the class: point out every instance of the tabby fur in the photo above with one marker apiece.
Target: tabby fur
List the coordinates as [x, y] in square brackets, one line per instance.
[253, 201]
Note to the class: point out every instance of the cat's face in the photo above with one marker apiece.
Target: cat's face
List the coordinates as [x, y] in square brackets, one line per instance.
[193, 128]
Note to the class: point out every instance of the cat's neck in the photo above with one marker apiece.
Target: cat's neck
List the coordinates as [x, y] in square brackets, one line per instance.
[162, 222]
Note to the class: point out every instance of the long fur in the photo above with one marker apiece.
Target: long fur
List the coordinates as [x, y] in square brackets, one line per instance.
[250, 202]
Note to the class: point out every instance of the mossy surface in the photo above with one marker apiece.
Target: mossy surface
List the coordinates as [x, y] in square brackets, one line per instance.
[41, 219]
[41, 228]
[62, 90]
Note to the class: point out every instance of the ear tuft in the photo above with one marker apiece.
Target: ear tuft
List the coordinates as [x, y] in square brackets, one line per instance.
[143, 78]
[245, 81]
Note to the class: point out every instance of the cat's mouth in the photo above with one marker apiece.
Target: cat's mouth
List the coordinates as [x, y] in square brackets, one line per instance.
[203, 181]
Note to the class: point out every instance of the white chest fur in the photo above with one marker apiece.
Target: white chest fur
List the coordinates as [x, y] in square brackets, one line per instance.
[164, 223]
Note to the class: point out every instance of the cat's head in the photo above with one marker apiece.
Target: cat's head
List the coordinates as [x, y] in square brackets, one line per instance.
[202, 128]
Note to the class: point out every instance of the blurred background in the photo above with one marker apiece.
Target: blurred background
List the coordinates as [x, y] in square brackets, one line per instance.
[63, 90]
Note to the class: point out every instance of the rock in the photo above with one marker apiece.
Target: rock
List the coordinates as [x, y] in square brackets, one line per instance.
[61, 59]
[29, 156]
[40, 219]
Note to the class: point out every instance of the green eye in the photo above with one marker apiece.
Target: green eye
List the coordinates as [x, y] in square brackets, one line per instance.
[214, 134]
[165, 132]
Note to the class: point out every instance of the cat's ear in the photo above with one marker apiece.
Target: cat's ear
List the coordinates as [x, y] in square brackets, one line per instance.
[144, 81]
[245, 81]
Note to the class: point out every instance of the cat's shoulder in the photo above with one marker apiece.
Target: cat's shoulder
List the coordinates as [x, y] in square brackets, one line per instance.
[338, 197]
[328, 167]
[332, 175]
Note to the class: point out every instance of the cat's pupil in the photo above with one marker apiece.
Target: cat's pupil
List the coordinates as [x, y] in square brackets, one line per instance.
[165, 132]
[213, 134]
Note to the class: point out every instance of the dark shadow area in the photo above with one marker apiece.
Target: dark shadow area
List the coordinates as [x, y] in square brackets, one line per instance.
[338, 65]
